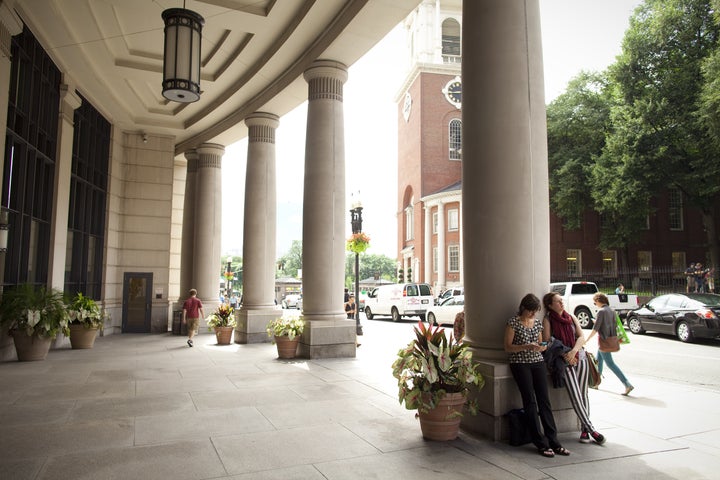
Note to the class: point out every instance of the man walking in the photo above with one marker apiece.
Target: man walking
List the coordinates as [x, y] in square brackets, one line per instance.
[192, 310]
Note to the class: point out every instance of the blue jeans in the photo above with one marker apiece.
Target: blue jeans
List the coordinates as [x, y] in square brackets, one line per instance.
[604, 357]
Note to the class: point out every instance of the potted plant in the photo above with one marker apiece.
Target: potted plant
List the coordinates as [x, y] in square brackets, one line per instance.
[86, 318]
[222, 320]
[33, 316]
[434, 374]
[285, 333]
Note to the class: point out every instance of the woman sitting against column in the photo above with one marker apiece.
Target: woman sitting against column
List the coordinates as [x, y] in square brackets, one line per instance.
[523, 334]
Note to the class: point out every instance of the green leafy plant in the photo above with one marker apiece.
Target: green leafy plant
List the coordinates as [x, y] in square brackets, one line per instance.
[85, 311]
[358, 242]
[431, 366]
[290, 326]
[36, 311]
[222, 317]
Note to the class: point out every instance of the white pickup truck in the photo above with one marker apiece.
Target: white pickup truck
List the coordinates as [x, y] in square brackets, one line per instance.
[578, 300]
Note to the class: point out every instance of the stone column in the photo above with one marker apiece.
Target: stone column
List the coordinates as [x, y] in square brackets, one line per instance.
[328, 332]
[207, 229]
[441, 247]
[259, 239]
[427, 244]
[187, 253]
[69, 102]
[504, 187]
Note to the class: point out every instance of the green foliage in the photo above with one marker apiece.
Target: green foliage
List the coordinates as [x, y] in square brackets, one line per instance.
[289, 325]
[433, 365]
[291, 262]
[370, 266]
[34, 310]
[85, 311]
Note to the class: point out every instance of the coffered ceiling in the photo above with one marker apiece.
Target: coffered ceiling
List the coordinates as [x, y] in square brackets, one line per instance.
[253, 55]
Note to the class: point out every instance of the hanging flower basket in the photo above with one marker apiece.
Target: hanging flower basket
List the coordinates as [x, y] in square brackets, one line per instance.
[358, 243]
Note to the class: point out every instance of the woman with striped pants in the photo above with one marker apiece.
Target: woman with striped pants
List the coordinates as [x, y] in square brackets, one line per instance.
[560, 324]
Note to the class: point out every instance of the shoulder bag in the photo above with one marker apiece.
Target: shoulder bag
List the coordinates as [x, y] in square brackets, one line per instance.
[594, 377]
[609, 344]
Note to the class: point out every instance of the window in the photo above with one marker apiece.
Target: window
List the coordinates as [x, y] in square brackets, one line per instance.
[435, 260]
[409, 222]
[454, 258]
[435, 223]
[455, 139]
[609, 263]
[574, 262]
[678, 264]
[451, 41]
[452, 220]
[644, 263]
[675, 209]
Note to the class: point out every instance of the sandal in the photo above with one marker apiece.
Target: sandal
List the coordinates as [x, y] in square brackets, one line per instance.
[546, 452]
[561, 451]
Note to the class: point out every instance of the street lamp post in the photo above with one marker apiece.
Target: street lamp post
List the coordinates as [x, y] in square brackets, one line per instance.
[356, 224]
[228, 277]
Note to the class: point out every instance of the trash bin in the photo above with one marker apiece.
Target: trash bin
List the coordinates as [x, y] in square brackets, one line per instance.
[178, 328]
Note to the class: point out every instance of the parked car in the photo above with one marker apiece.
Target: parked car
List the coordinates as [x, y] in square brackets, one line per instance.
[578, 300]
[450, 292]
[687, 315]
[444, 314]
[290, 300]
[399, 300]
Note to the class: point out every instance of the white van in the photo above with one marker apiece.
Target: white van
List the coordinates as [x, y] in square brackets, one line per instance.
[399, 300]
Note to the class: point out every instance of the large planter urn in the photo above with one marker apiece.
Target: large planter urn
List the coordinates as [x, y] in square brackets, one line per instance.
[286, 348]
[31, 348]
[81, 336]
[443, 422]
[224, 335]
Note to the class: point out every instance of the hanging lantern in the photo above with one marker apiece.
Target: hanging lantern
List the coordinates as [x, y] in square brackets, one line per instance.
[181, 66]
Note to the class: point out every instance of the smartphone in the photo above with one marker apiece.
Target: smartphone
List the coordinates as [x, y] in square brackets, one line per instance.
[543, 344]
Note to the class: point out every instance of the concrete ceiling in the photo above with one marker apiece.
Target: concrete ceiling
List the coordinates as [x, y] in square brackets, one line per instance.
[253, 55]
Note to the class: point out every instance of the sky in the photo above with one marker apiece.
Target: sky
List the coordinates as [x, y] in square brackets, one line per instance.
[576, 34]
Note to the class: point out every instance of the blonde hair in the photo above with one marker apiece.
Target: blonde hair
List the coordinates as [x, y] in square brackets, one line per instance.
[602, 298]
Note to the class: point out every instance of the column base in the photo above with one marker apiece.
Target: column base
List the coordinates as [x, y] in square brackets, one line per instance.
[252, 324]
[328, 339]
[500, 395]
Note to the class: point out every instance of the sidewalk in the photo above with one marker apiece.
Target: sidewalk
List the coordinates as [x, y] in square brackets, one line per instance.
[148, 407]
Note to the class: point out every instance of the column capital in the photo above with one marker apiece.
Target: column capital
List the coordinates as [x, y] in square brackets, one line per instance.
[210, 155]
[211, 149]
[326, 69]
[262, 118]
[325, 80]
[192, 158]
[261, 127]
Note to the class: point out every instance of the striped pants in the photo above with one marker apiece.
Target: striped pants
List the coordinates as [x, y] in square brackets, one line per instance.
[576, 383]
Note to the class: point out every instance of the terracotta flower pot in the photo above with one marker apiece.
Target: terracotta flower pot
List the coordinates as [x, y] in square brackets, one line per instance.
[443, 422]
[81, 337]
[224, 335]
[286, 348]
[31, 348]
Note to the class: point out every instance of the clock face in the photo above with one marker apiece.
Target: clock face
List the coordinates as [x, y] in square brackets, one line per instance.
[453, 91]
[407, 105]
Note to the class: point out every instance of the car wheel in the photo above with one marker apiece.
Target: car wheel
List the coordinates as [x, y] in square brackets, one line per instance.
[368, 313]
[583, 316]
[635, 325]
[395, 314]
[684, 333]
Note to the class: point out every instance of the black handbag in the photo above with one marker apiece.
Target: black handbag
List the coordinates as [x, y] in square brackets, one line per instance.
[518, 424]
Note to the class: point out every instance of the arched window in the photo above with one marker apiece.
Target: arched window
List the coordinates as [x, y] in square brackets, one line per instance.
[455, 139]
[451, 41]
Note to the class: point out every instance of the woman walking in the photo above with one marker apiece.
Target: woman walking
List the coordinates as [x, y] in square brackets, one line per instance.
[564, 327]
[606, 327]
[523, 334]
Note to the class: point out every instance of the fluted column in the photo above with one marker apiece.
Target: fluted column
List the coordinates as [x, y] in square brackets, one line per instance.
[442, 248]
[427, 246]
[259, 231]
[504, 187]
[328, 332]
[207, 228]
[187, 246]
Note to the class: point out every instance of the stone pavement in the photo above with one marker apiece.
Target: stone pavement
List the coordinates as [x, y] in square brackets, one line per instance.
[148, 407]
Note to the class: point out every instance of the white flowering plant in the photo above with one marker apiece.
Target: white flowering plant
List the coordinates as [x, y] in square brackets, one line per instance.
[86, 312]
[291, 326]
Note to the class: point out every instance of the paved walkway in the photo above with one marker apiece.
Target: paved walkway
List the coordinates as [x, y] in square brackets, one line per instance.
[149, 407]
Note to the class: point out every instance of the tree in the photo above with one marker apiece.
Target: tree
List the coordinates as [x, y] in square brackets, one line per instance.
[577, 122]
[371, 266]
[291, 262]
[660, 137]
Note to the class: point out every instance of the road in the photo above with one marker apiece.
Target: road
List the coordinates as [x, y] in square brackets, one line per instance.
[661, 357]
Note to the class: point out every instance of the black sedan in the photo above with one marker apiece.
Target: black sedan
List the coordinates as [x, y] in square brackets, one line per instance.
[687, 315]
